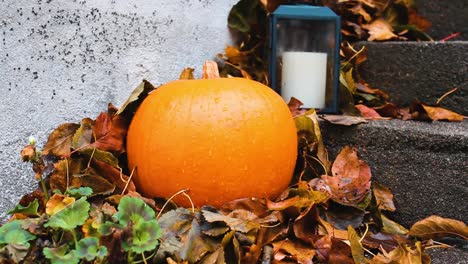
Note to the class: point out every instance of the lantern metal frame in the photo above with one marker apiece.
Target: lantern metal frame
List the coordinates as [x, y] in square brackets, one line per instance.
[306, 13]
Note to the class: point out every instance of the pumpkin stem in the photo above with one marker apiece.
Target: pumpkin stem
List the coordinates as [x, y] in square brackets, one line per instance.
[210, 70]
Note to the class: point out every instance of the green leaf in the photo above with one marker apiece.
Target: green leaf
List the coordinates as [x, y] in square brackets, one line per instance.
[392, 227]
[79, 192]
[88, 248]
[30, 210]
[13, 233]
[356, 248]
[72, 216]
[101, 155]
[137, 96]
[241, 14]
[59, 255]
[145, 237]
[132, 209]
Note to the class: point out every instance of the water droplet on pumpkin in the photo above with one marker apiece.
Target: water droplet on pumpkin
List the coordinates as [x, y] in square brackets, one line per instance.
[210, 153]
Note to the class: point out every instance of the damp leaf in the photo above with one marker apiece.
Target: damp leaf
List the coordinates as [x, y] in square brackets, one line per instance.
[88, 248]
[61, 255]
[30, 210]
[71, 216]
[13, 233]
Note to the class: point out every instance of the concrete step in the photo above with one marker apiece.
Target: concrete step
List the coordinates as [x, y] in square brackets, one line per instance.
[424, 164]
[422, 71]
[447, 17]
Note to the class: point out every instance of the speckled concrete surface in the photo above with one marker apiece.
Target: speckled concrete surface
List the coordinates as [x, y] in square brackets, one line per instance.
[61, 61]
[422, 71]
[424, 164]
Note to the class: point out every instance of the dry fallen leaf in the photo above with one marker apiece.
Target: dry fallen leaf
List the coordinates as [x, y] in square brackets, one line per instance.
[379, 29]
[435, 227]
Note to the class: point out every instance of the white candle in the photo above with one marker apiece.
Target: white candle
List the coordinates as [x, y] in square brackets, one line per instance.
[304, 76]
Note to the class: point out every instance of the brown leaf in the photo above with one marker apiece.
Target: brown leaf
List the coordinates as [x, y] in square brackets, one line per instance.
[187, 74]
[417, 20]
[110, 131]
[389, 110]
[59, 142]
[113, 175]
[333, 232]
[435, 227]
[379, 29]
[364, 87]
[344, 120]
[384, 197]
[28, 153]
[62, 175]
[295, 107]
[350, 182]
[380, 240]
[294, 251]
[368, 113]
[84, 134]
[340, 253]
[129, 107]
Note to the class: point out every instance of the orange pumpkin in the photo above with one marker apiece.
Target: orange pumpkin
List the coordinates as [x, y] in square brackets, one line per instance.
[222, 139]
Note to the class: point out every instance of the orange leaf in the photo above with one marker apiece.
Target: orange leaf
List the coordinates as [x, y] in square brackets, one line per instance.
[438, 113]
[435, 227]
[367, 112]
[110, 131]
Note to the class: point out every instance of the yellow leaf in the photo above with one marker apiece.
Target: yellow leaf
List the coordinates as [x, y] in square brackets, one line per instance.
[57, 203]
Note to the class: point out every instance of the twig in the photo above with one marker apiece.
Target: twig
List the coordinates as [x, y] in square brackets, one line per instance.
[451, 36]
[170, 199]
[127, 181]
[445, 95]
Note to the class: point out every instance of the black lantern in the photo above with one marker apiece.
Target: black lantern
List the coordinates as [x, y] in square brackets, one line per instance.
[304, 55]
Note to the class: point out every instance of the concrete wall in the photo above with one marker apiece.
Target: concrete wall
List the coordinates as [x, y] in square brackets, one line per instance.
[64, 60]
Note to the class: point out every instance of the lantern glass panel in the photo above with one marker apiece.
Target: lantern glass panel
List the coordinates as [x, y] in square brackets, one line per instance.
[305, 59]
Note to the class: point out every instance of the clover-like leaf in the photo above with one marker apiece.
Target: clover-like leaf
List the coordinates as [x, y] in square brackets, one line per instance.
[30, 209]
[60, 255]
[70, 217]
[13, 233]
[79, 192]
[88, 248]
[133, 210]
[145, 237]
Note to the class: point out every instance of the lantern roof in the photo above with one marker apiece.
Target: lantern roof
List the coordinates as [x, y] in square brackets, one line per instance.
[304, 12]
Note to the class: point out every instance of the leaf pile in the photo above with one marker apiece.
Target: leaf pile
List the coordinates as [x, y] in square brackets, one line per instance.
[87, 210]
